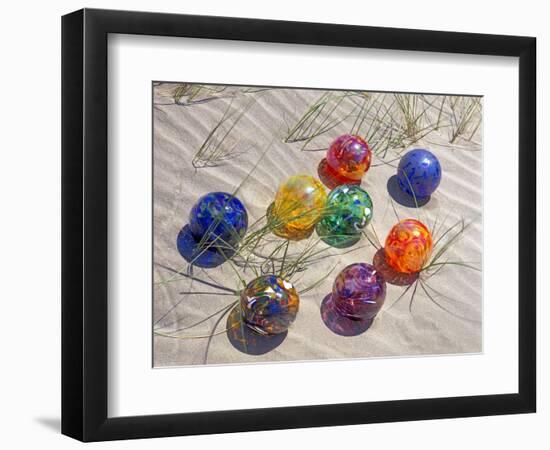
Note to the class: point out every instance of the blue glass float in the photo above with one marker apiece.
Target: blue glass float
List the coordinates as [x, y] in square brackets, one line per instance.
[419, 173]
[218, 216]
[217, 222]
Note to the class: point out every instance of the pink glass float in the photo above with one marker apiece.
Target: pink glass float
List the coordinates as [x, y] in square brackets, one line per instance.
[269, 304]
[348, 159]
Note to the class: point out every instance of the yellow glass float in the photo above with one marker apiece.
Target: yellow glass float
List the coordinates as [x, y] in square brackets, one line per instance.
[298, 206]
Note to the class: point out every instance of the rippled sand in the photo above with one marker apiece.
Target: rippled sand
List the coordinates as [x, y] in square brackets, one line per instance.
[179, 130]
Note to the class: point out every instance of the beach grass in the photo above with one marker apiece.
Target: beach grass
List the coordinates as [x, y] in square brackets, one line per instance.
[390, 123]
[219, 146]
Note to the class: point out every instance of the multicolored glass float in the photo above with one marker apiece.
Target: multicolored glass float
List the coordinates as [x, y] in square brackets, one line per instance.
[269, 304]
[348, 210]
[298, 206]
[217, 222]
[359, 291]
[408, 246]
[348, 159]
[419, 173]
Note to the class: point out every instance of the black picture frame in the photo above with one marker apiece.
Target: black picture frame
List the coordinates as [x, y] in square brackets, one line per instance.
[84, 224]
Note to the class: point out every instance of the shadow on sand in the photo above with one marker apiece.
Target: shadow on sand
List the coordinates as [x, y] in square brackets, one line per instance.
[247, 341]
[331, 179]
[390, 274]
[402, 197]
[340, 324]
[201, 255]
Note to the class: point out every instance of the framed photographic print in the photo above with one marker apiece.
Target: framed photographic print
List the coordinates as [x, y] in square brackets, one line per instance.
[274, 224]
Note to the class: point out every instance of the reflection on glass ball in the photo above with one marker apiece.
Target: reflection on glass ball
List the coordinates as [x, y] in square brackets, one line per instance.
[419, 173]
[359, 291]
[219, 217]
[349, 156]
[269, 304]
[348, 210]
[298, 205]
[408, 246]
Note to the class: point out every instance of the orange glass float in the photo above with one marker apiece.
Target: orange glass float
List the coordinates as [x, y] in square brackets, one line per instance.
[408, 246]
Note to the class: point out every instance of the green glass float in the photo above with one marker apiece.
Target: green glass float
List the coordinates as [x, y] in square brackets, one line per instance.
[348, 211]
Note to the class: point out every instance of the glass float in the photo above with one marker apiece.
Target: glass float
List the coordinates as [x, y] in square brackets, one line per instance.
[419, 173]
[269, 304]
[359, 291]
[298, 206]
[217, 222]
[218, 216]
[348, 211]
[408, 246]
[348, 159]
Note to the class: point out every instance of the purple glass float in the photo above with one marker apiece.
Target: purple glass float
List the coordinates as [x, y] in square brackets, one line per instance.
[269, 304]
[359, 291]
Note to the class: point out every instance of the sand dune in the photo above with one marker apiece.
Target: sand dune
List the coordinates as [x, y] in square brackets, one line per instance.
[179, 131]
